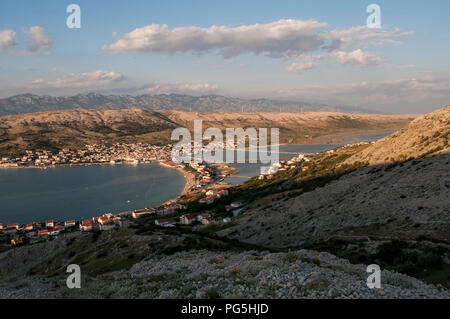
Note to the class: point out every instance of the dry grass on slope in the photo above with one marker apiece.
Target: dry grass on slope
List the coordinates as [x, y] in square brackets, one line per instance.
[425, 135]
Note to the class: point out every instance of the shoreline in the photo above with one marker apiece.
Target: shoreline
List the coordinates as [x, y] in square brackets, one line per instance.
[190, 180]
[75, 164]
[189, 177]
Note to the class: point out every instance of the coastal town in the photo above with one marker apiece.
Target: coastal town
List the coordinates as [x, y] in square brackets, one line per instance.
[92, 154]
[169, 214]
[205, 186]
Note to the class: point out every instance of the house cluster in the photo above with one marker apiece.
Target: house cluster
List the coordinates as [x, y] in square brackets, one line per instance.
[37, 231]
[212, 195]
[104, 223]
[187, 219]
[95, 153]
[294, 163]
[358, 144]
[204, 218]
[204, 173]
[164, 210]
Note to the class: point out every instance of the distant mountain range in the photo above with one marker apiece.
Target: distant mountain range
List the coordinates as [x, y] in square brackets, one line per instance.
[28, 103]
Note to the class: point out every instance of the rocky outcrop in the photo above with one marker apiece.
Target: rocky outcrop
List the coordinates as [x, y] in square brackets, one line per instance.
[250, 275]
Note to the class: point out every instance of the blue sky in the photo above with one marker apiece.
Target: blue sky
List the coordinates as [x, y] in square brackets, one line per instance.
[313, 51]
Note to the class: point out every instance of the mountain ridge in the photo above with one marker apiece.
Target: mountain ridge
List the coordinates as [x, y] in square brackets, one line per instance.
[75, 128]
[27, 103]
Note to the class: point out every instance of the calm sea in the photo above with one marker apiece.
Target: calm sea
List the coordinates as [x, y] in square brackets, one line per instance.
[61, 193]
[77, 192]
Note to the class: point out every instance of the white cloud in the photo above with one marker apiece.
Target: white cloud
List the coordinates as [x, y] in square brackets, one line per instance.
[178, 88]
[38, 41]
[279, 39]
[88, 79]
[356, 57]
[7, 39]
[285, 39]
[302, 66]
[356, 37]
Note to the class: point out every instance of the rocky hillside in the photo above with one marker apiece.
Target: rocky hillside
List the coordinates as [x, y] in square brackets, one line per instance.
[404, 201]
[74, 128]
[356, 212]
[59, 129]
[202, 274]
[299, 128]
[397, 200]
[27, 103]
[427, 134]
[308, 121]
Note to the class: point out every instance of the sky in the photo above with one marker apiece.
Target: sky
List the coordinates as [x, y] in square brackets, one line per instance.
[311, 51]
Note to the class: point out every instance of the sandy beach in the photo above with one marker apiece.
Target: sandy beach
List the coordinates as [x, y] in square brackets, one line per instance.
[190, 180]
[189, 177]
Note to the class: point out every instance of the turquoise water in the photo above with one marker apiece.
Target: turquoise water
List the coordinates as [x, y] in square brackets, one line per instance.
[75, 192]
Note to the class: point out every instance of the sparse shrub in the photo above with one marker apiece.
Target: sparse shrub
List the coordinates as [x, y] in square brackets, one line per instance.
[306, 260]
[212, 294]
[318, 284]
[388, 251]
[429, 260]
[316, 261]
[102, 254]
[70, 241]
[216, 261]
[255, 258]
[235, 272]
[290, 257]
[397, 280]
[95, 235]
